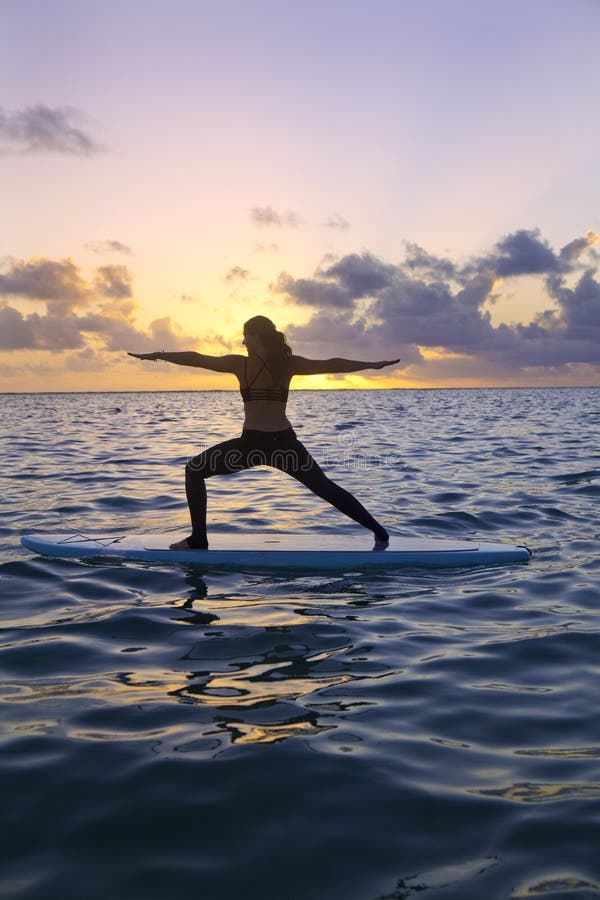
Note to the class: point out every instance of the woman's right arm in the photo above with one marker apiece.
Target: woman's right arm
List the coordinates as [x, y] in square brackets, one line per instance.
[302, 366]
[229, 363]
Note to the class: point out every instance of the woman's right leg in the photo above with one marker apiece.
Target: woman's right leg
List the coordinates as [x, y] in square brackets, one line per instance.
[222, 459]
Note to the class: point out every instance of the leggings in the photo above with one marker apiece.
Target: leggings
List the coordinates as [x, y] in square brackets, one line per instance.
[278, 449]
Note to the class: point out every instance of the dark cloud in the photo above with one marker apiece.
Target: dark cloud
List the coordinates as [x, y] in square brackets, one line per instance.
[113, 281]
[420, 261]
[16, 332]
[114, 328]
[575, 249]
[266, 216]
[62, 281]
[313, 292]
[109, 320]
[328, 334]
[40, 128]
[38, 332]
[103, 247]
[524, 253]
[361, 275]
[44, 279]
[579, 306]
[430, 315]
[424, 302]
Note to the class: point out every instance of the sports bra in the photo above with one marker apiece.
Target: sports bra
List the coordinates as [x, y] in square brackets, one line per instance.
[250, 393]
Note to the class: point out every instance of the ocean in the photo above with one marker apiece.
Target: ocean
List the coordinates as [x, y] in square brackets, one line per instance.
[170, 733]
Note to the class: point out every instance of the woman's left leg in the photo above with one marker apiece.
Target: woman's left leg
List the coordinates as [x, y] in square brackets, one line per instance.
[297, 462]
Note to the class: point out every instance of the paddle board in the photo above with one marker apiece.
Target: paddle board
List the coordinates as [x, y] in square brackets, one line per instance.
[282, 551]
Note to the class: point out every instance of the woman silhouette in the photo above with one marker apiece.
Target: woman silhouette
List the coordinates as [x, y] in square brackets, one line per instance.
[267, 437]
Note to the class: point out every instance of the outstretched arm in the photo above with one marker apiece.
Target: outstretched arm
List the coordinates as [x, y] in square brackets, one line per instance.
[302, 366]
[228, 363]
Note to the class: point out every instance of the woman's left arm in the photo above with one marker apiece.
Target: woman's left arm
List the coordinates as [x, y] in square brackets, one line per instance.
[228, 363]
[300, 365]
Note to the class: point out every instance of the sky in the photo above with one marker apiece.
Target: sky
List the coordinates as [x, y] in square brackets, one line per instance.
[384, 179]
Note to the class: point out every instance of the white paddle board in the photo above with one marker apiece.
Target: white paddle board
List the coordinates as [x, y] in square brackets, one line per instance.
[282, 551]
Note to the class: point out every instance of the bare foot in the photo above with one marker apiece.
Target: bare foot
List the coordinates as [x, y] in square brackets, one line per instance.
[381, 545]
[187, 544]
[180, 545]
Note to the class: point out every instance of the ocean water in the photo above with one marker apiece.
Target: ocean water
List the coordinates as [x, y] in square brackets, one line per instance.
[169, 733]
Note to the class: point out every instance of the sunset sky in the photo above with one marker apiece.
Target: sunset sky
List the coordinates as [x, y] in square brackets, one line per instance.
[382, 179]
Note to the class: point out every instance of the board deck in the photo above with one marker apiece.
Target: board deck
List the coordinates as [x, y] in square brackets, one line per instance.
[282, 551]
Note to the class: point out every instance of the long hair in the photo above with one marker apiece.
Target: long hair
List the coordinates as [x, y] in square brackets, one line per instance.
[278, 351]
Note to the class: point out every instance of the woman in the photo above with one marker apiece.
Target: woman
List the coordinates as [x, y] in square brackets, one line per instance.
[267, 437]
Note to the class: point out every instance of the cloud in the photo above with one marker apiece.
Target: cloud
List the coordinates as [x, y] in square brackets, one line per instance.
[109, 320]
[108, 246]
[266, 248]
[113, 281]
[329, 334]
[62, 281]
[524, 253]
[44, 279]
[114, 324]
[114, 328]
[40, 128]
[313, 292]
[87, 360]
[426, 306]
[579, 306]
[575, 249]
[237, 272]
[337, 222]
[266, 216]
[38, 332]
[361, 275]
[420, 261]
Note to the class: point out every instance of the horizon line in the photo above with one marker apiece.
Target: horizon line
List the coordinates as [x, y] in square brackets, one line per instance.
[483, 387]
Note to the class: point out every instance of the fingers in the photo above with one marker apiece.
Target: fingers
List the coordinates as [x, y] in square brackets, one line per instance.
[151, 356]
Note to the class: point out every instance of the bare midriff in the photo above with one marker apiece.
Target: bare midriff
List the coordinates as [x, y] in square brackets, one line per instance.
[266, 415]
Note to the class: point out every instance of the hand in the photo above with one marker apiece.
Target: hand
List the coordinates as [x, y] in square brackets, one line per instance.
[385, 362]
[153, 356]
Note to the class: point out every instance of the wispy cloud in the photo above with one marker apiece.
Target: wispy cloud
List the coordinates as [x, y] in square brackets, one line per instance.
[337, 222]
[43, 129]
[237, 273]
[108, 246]
[266, 216]
[266, 248]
